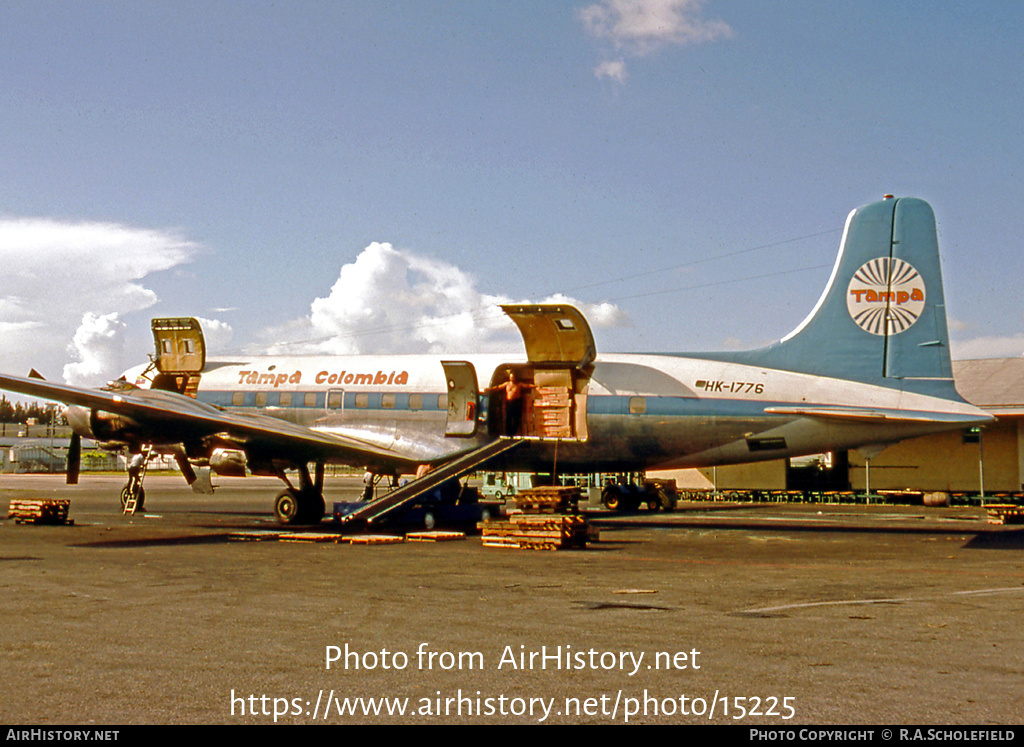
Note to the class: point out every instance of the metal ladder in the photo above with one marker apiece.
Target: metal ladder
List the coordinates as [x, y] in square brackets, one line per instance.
[131, 505]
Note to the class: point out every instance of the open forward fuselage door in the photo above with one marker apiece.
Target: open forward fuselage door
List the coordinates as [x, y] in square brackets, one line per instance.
[546, 397]
[460, 377]
[180, 354]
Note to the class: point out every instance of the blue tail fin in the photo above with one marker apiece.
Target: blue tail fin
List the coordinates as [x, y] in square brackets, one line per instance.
[882, 317]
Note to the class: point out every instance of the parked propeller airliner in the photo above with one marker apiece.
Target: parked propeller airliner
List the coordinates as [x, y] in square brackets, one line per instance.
[869, 365]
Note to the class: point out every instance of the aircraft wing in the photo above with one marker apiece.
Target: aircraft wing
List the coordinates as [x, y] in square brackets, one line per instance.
[162, 417]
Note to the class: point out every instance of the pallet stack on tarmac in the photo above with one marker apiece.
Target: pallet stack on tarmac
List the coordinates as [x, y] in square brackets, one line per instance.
[546, 519]
[1005, 513]
[35, 511]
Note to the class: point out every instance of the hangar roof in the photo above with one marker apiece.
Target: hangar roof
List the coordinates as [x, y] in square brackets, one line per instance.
[994, 384]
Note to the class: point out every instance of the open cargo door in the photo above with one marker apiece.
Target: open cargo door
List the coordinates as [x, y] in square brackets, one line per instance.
[560, 349]
[180, 354]
[554, 333]
[462, 398]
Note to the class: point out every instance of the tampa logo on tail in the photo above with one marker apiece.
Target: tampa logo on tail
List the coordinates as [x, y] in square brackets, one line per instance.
[885, 293]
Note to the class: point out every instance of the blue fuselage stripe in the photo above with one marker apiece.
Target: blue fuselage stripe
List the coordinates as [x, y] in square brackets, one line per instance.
[654, 406]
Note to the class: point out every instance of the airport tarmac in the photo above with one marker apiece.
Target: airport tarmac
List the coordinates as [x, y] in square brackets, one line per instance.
[753, 614]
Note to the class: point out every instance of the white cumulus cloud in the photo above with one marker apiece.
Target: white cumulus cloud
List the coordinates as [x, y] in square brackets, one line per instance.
[991, 346]
[613, 70]
[390, 300]
[65, 286]
[216, 334]
[635, 28]
[98, 344]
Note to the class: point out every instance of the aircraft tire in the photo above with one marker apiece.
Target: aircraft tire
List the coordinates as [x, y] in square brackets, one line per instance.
[140, 500]
[611, 498]
[659, 500]
[429, 520]
[286, 507]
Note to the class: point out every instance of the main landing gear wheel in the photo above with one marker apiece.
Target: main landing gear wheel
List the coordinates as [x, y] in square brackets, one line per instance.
[299, 507]
[286, 507]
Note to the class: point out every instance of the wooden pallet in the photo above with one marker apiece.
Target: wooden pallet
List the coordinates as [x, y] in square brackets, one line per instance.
[39, 511]
[256, 535]
[552, 500]
[310, 537]
[314, 537]
[373, 539]
[434, 536]
[521, 544]
[537, 531]
[1005, 513]
[546, 518]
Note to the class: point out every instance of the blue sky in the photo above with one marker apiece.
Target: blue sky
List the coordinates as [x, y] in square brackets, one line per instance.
[681, 169]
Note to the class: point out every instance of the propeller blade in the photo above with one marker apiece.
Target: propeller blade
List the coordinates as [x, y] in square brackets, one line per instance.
[186, 467]
[74, 459]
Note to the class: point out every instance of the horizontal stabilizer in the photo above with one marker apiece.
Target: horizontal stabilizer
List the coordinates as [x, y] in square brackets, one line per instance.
[874, 413]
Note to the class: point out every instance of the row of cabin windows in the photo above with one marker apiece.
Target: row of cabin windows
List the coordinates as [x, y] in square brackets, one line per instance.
[361, 400]
[335, 400]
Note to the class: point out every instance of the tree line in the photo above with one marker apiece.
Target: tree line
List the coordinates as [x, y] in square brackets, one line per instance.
[19, 412]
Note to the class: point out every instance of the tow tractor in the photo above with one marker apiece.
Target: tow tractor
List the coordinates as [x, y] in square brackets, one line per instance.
[628, 491]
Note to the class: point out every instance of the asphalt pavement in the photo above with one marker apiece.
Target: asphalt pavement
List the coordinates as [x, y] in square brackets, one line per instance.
[717, 613]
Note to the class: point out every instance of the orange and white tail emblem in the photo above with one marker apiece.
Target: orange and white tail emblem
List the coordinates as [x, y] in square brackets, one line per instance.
[885, 296]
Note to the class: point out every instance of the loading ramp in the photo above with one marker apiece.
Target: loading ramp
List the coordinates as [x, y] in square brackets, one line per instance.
[397, 499]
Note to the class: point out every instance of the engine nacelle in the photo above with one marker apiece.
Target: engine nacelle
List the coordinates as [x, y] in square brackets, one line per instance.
[228, 462]
[102, 426]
